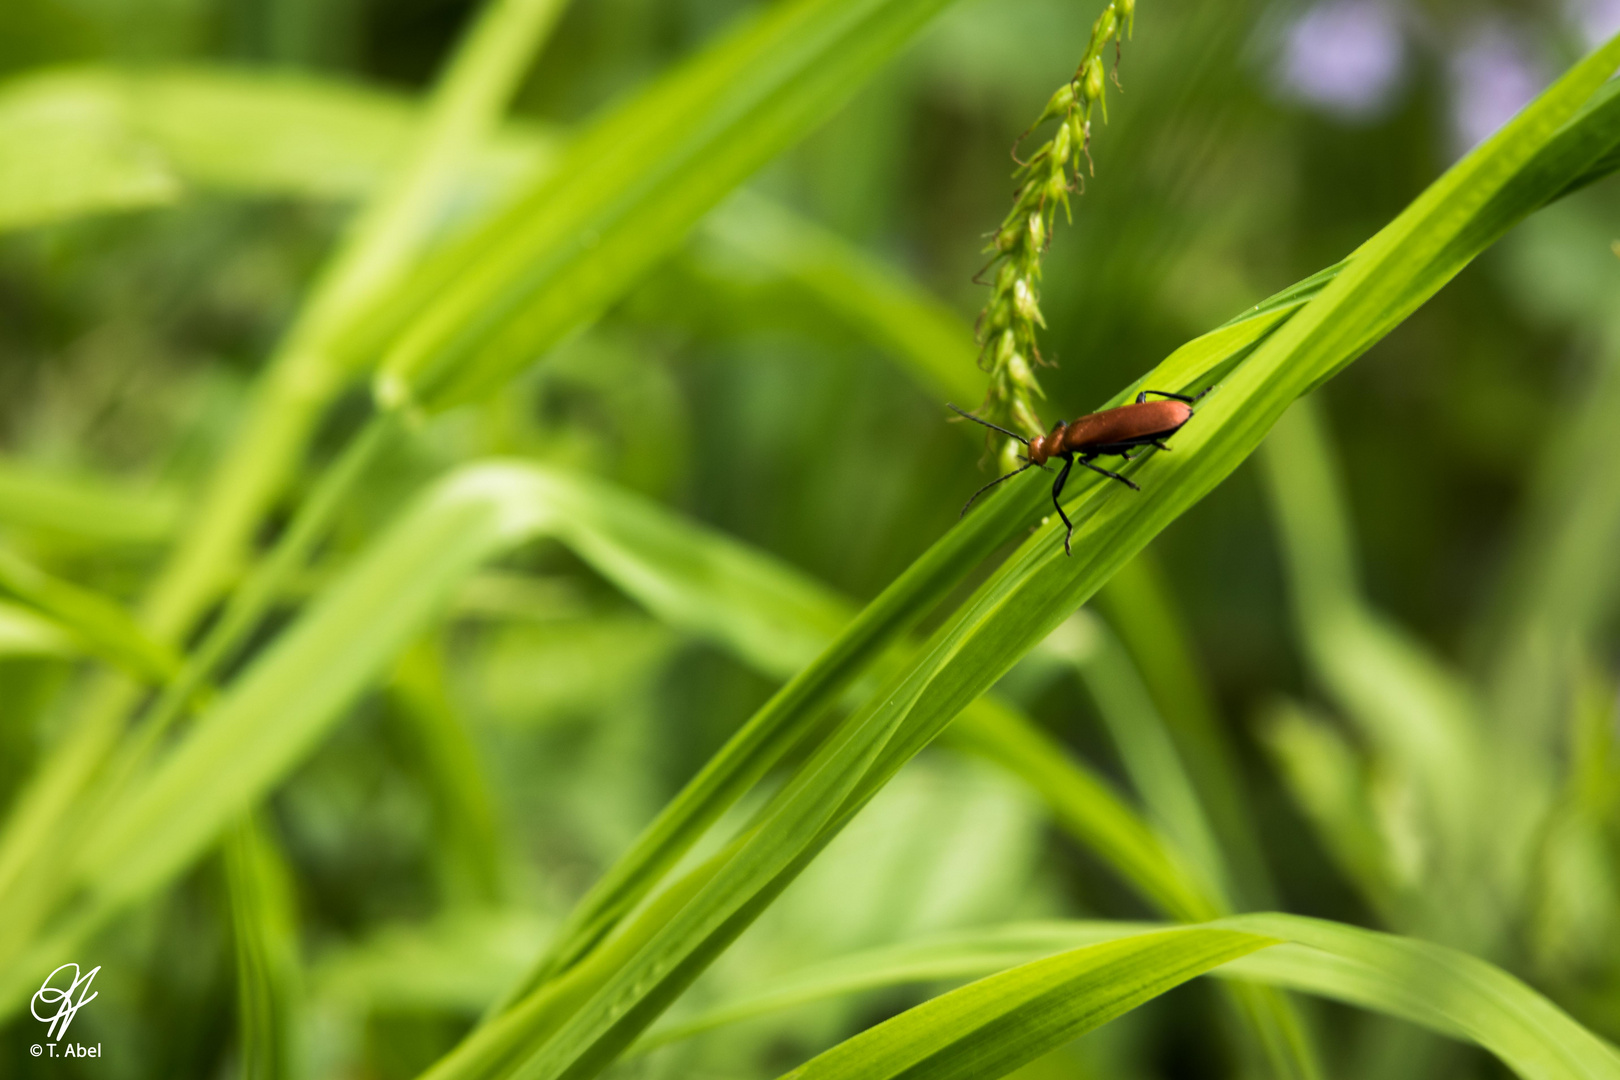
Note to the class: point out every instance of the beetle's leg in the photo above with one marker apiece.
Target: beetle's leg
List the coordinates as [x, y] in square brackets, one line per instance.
[1111, 475]
[1161, 446]
[1143, 396]
[1057, 489]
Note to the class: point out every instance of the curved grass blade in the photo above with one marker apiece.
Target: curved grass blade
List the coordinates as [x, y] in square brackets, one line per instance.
[1442, 989]
[1144, 745]
[991, 1027]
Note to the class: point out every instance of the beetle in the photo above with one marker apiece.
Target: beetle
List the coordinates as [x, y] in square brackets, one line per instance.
[1112, 431]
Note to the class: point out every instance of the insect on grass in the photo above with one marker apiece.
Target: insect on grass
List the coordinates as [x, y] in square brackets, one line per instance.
[1121, 431]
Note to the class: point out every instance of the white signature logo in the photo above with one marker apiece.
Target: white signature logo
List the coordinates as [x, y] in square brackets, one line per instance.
[63, 999]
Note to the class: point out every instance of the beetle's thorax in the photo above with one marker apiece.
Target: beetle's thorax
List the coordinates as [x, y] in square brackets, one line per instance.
[1047, 446]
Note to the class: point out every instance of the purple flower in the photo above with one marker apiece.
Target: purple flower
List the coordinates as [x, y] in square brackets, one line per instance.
[1492, 77]
[1344, 56]
[1598, 20]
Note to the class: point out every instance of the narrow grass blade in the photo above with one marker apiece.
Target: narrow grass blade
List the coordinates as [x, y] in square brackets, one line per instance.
[1139, 606]
[1563, 581]
[101, 624]
[1329, 782]
[467, 845]
[1087, 806]
[263, 927]
[305, 374]
[292, 695]
[1144, 745]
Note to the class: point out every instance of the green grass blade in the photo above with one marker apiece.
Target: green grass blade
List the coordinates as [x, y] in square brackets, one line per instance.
[1087, 807]
[467, 846]
[101, 624]
[932, 343]
[84, 509]
[1328, 781]
[1138, 605]
[1420, 715]
[304, 374]
[1442, 989]
[292, 695]
[1144, 745]
[65, 147]
[1563, 582]
[266, 945]
[25, 632]
[990, 1027]
[627, 192]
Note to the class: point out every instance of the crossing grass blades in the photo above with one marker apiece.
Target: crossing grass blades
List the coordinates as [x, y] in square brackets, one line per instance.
[1121, 431]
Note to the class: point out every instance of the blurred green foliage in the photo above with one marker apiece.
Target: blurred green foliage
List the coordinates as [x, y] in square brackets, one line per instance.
[1372, 680]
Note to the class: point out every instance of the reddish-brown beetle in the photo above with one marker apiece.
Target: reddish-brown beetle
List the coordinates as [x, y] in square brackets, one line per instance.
[1112, 431]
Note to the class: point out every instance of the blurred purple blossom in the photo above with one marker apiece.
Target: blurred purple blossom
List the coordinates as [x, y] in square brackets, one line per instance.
[1598, 20]
[1344, 56]
[1492, 77]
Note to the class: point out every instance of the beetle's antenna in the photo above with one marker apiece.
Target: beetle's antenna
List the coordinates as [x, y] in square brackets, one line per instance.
[992, 484]
[988, 424]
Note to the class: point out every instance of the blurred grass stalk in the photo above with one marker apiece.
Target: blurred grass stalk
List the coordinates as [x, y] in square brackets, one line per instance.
[300, 382]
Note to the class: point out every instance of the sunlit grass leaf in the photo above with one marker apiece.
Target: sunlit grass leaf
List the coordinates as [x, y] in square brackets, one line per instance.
[66, 146]
[1441, 989]
[121, 140]
[990, 1027]
[25, 632]
[80, 508]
